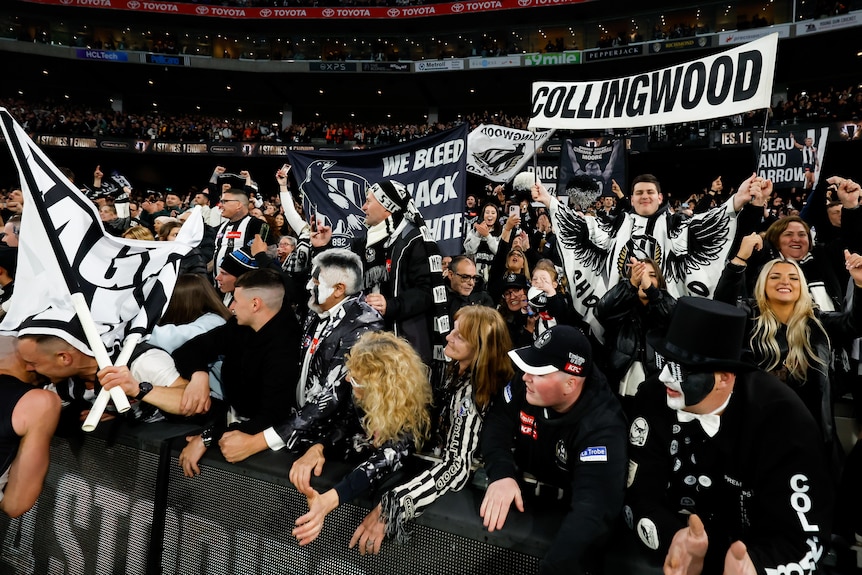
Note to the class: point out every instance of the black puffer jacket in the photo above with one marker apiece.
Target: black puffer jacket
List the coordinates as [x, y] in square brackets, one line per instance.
[626, 321]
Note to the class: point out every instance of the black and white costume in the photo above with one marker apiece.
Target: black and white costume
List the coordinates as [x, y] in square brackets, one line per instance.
[233, 236]
[462, 421]
[398, 265]
[761, 479]
[323, 394]
[482, 249]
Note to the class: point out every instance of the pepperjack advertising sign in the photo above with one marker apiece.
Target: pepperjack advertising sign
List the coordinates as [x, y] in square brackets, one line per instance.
[732, 82]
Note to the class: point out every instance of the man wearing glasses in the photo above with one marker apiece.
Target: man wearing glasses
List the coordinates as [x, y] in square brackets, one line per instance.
[239, 228]
[465, 286]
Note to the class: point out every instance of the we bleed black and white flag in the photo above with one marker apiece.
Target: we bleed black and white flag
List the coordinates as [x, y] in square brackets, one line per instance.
[433, 168]
[64, 249]
[499, 153]
[732, 82]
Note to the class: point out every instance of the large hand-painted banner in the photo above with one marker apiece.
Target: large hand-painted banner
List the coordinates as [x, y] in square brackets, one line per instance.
[732, 82]
[433, 168]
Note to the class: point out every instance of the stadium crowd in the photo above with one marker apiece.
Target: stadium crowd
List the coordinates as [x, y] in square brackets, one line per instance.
[378, 334]
[820, 104]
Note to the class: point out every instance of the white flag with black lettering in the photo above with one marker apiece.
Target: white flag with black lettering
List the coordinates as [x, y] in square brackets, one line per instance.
[64, 249]
[498, 153]
[731, 82]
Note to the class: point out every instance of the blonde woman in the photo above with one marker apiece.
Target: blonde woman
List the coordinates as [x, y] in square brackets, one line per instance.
[392, 394]
[478, 346]
[789, 335]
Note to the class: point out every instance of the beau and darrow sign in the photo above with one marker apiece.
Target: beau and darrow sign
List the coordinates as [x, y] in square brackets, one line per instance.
[732, 82]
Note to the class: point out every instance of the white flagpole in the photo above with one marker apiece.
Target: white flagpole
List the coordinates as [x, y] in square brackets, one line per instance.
[95, 415]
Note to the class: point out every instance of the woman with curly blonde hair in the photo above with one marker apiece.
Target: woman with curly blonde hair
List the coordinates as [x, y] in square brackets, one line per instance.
[391, 393]
[390, 385]
[478, 346]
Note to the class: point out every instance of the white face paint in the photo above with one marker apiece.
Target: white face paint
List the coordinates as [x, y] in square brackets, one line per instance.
[675, 395]
[319, 289]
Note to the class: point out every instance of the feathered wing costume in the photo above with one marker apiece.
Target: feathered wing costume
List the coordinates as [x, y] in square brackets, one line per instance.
[691, 252]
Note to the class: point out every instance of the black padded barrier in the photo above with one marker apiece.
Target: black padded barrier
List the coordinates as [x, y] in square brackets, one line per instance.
[116, 502]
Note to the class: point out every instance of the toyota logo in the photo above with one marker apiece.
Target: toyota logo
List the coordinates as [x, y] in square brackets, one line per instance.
[524, 3]
[393, 12]
[266, 12]
[457, 7]
[67, 2]
[328, 12]
[202, 10]
[134, 4]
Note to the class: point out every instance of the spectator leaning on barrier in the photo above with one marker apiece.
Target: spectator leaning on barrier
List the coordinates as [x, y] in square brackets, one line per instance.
[559, 421]
[477, 346]
[259, 347]
[28, 418]
[337, 318]
[391, 389]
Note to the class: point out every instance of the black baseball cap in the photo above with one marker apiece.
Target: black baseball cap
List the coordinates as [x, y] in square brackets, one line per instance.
[560, 348]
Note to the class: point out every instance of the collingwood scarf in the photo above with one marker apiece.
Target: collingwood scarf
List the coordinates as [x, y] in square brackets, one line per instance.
[395, 198]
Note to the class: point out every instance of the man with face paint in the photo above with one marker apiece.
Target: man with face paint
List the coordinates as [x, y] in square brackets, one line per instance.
[402, 269]
[725, 474]
[337, 318]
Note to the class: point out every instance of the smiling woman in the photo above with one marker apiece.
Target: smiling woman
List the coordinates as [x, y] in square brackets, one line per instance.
[791, 337]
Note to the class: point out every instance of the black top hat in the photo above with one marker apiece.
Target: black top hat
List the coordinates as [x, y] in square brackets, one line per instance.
[703, 336]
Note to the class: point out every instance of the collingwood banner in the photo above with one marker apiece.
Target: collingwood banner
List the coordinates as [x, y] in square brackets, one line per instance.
[333, 184]
[791, 158]
[732, 82]
[498, 153]
[596, 160]
[126, 284]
